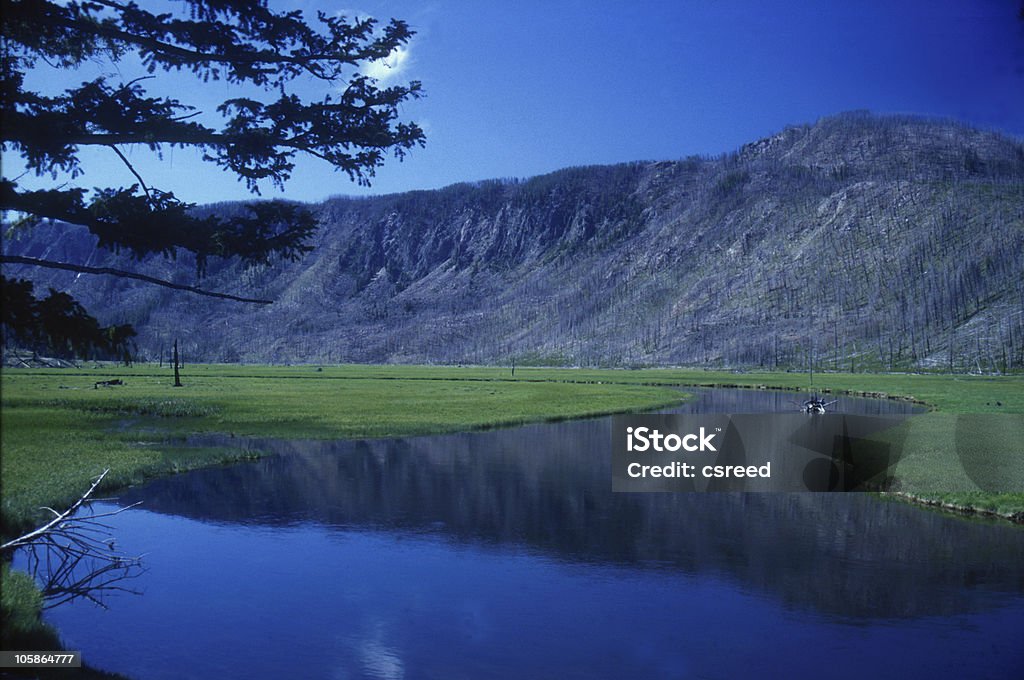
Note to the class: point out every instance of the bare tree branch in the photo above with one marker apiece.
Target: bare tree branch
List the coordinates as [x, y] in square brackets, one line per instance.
[75, 556]
[84, 269]
[60, 516]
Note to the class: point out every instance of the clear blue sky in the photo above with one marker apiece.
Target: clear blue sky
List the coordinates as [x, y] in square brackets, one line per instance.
[515, 89]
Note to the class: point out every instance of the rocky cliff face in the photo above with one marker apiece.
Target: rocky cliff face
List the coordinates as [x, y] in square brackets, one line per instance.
[865, 242]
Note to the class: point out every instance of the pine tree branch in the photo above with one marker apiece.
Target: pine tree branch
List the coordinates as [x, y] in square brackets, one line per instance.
[131, 167]
[246, 54]
[84, 269]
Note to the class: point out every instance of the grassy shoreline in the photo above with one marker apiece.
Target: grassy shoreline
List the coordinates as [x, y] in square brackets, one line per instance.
[59, 431]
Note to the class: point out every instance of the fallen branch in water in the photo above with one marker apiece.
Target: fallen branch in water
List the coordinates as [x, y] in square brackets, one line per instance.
[74, 556]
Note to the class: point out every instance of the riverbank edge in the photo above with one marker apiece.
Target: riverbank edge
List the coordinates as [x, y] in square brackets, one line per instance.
[228, 457]
[954, 508]
[924, 500]
[676, 378]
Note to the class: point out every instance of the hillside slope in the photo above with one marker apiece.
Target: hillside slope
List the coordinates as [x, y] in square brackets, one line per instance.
[863, 241]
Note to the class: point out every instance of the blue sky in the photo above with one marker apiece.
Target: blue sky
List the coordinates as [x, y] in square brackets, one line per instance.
[519, 89]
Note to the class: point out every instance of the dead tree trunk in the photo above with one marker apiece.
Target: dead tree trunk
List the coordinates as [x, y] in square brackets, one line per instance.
[177, 376]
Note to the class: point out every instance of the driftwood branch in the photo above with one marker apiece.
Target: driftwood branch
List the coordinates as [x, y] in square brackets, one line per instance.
[53, 524]
[85, 269]
[74, 556]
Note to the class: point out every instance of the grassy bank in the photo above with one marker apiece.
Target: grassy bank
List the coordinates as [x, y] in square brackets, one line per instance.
[59, 431]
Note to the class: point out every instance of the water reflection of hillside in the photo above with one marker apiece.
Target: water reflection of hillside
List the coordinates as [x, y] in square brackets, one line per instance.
[548, 488]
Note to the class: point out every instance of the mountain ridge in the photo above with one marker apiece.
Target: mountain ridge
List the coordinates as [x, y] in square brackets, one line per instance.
[858, 242]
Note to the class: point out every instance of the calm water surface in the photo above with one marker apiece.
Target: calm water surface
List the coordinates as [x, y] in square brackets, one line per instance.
[505, 554]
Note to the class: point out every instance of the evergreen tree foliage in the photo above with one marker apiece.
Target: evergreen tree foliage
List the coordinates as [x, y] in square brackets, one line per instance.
[267, 55]
[59, 325]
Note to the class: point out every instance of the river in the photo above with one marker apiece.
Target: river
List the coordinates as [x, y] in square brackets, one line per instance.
[505, 554]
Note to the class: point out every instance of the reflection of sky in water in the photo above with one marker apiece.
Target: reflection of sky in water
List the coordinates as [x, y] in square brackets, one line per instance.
[379, 660]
